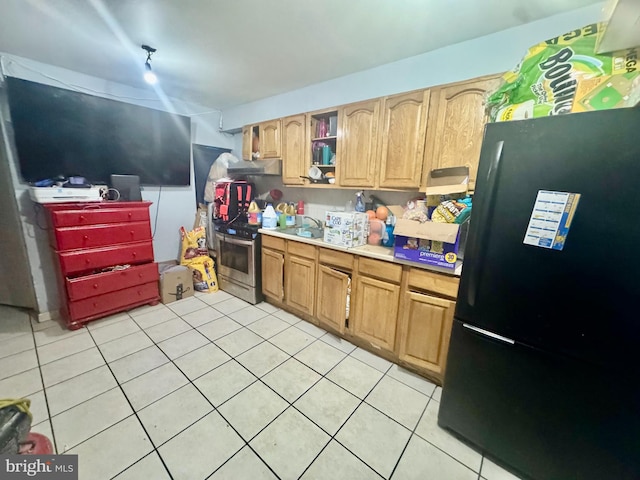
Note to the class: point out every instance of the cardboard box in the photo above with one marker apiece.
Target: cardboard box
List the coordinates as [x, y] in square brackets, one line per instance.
[176, 283]
[418, 242]
[347, 229]
[414, 241]
[608, 91]
[447, 181]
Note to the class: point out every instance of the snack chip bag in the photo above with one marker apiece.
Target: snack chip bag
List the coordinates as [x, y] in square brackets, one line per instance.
[553, 78]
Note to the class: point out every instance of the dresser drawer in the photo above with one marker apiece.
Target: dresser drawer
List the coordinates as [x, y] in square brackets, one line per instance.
[101, 305]
[70, 238]
[101, 283]
[94, 215]
[78, 261]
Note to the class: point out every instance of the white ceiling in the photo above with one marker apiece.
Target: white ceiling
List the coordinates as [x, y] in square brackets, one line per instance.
[222, 53]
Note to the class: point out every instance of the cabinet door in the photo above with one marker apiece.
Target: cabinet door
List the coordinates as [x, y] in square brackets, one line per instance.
[375, 311]
[294, 161]
[357, 144]
[425, 328]
[331, 298]
[273, 274]
[246, 142]
[402, 139]
[457, 126]
[270, 139]
[301, 283]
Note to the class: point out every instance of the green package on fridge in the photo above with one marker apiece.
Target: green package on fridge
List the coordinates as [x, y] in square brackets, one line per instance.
[546, 80]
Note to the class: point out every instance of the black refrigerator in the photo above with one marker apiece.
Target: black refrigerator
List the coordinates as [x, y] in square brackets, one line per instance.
[543, 370]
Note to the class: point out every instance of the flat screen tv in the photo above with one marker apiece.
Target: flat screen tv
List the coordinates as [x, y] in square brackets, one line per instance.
[63, 132]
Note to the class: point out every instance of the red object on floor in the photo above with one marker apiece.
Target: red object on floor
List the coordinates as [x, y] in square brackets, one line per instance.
[36, 444]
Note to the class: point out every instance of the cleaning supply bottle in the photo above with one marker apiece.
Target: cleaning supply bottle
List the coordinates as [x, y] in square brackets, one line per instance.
[388, 238]
[291, 215]
[269, 218]
[359, 202]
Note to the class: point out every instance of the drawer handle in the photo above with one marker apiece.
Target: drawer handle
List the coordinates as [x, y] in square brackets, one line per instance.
[95, 305]
[140, 275]
[132, 233]
[86, 237]
[81, 218]
[130, 214]
[134, 254]
[95, 285]
[87, 261]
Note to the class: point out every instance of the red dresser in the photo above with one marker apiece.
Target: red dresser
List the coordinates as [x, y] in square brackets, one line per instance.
[88, 239]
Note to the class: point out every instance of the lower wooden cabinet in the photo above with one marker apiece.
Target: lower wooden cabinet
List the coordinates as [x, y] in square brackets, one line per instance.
[405, 313]
[273, 274]
[300, 278]
[375, 311]
[425, 328]
[331, 299]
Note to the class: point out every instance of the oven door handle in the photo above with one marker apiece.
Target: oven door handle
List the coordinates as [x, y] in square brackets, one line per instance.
[233, 240]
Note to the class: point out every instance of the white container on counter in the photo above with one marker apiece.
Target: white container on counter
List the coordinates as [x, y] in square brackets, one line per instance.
[269, 218]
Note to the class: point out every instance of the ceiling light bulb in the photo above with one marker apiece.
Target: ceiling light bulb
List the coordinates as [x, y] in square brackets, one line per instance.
[149, 76]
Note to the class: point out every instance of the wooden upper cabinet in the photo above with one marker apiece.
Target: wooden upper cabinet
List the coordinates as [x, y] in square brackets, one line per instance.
[402, 139]
[270, 139]
[425, 330]
[294, 149]
[357, 143]
[456, 125]
[246, 142]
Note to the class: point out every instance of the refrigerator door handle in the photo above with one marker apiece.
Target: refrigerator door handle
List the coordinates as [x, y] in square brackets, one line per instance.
[476, 249]
[487, 333]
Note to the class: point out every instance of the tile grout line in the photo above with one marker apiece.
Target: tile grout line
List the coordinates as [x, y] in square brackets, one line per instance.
[409, 439]
[289, 404]
[215, 409]
[333, 437]
[139, 421]
[44, 392]
[444, 451]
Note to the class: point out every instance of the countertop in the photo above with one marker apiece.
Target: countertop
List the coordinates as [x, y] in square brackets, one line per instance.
[371, 251]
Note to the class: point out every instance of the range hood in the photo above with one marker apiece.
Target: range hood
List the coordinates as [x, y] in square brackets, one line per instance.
[259, 167]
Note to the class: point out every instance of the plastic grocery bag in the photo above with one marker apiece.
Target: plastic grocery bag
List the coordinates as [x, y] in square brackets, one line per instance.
[554, 77]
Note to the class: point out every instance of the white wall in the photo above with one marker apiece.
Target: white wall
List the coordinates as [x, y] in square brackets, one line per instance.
[176, 206]
[495, 53]
[487, 55]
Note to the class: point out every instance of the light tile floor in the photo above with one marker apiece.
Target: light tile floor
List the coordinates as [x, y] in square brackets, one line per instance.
[211, 387]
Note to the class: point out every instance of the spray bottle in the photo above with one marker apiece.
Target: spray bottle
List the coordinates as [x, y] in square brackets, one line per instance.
[359, 201]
